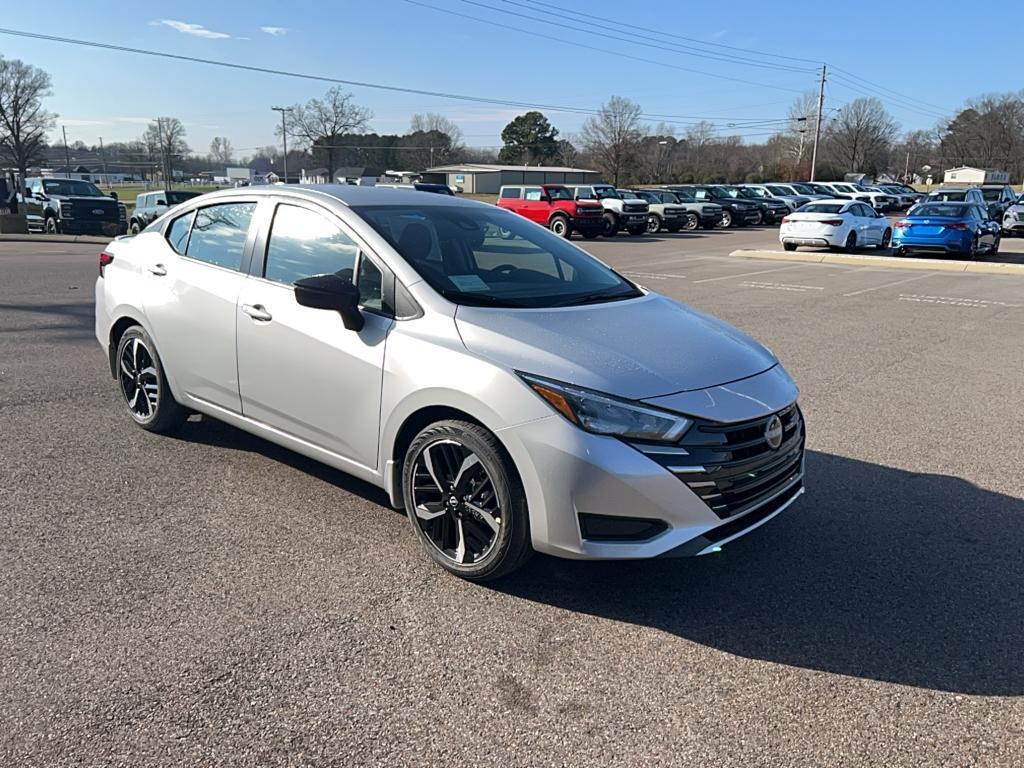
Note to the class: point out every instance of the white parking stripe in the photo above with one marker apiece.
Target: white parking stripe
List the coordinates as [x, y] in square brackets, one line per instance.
[748, 274]
[797, 287]
[890, 285]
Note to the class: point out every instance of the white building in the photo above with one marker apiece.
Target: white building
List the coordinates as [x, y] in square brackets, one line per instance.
[967, 175]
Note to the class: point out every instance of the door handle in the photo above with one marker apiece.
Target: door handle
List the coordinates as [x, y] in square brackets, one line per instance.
[158, 269]
[257, 312]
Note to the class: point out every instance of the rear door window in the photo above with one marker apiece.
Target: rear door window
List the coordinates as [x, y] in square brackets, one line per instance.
[511, 193]
[219, 234]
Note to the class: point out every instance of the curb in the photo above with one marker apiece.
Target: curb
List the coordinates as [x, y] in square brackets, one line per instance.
[23, 238]
[935, 265]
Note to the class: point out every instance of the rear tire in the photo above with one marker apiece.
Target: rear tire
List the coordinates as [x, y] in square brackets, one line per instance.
[850, 246]
[886, 239]
[465, 501]
[144, 385]
[789, 246]
[757, 222]
[995, 245]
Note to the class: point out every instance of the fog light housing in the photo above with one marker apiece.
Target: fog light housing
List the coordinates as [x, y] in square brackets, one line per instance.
[615, 528]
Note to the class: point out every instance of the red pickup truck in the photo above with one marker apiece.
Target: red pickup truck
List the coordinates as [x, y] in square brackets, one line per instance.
[554, 206]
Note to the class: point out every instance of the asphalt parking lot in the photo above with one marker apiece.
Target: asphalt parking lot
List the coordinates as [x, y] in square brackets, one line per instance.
[215, 600]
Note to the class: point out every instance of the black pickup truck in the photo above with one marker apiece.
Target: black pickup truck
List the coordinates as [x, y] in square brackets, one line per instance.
[71, 207]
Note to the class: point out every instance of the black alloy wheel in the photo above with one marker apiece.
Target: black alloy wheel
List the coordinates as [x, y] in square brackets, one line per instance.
[465, 501]
[144, 385]
[692, 222]
[886, 239]
[653, 224]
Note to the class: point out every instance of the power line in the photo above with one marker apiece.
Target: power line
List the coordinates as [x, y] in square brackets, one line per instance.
[564, 41]
[649, 42]
[844, 82]
[619, 23]
[323, 78]
[889, 90]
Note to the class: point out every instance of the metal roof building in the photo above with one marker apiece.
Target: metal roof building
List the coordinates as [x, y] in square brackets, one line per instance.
[487, 179]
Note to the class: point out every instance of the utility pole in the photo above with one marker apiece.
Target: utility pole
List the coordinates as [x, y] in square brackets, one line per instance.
[103, 160]
[284, 138]
[67, 155]
[906, 168]
[164, 159]
[817, 123]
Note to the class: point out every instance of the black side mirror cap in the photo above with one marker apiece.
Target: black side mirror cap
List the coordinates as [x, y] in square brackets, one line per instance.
[114, 195]
[331, 292]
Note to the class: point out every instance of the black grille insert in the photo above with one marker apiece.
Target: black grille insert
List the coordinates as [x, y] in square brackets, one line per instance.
[731, 467]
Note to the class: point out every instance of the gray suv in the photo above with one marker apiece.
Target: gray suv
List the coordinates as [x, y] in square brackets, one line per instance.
[151, 205]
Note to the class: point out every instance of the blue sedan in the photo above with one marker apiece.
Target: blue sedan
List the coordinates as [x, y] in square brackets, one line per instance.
[946, 227]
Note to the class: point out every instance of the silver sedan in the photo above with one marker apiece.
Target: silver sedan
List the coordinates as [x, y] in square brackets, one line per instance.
[506, 389]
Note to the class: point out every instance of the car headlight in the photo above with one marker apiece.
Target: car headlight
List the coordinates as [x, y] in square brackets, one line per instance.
[607, 415]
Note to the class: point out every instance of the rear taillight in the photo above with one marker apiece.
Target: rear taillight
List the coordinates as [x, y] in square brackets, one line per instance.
[786, 219]
[105, 259]
[901, 224]
[958, 226]
[833, 222]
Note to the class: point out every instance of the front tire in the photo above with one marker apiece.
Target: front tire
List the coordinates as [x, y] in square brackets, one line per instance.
[134, 228]
[144, 385]
[653, 224]
[465, 501]
[611, 225]
[637, 231]
[50, 226]
[886, 239]
[692, 222]
[560, 226]
[995, 245]
[726, 221]
[850, 246]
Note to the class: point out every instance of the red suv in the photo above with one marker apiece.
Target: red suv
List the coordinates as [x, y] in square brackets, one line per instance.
[554, 206]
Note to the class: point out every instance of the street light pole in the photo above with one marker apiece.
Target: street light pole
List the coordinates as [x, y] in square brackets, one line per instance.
[67, 155]
[284, 138]
[817, 123]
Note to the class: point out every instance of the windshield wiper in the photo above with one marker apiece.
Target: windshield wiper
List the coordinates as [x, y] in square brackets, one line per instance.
[598, 296]
[480, 299]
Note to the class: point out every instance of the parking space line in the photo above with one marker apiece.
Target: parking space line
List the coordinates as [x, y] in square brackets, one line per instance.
[651, 275]
[748, 274]
[890, 285]
[794, 287]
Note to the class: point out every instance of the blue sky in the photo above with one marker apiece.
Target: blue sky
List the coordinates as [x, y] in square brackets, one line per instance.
[110, 94]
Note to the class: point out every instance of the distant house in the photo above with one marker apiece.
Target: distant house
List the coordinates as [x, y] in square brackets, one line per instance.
[484, 178]
[83, 172]
[968, 175]
[360, 175]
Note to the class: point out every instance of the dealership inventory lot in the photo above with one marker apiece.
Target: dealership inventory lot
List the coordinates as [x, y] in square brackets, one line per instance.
[215, 598]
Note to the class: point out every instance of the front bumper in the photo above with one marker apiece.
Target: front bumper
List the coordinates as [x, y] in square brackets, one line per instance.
[568, 473]
[100, 228]
[633, 219]
[587, 223]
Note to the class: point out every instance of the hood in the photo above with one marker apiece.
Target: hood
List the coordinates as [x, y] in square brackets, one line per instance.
[639, 348]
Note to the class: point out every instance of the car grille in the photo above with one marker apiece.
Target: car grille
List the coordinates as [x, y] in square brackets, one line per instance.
[731, 467]
[635, 207]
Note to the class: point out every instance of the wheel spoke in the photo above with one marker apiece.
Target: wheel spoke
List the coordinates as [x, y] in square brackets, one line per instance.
[135, 354]
[468, 463]
[488, 518]
[125, 369]
[460, 547]
[150, 371]
[135, 398]
[424, 511]
[429, 462]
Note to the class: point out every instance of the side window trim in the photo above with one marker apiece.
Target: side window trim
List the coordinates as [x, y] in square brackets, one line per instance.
[191, 216]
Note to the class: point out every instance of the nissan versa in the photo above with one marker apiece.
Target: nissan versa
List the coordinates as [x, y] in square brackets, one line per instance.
[510, 393]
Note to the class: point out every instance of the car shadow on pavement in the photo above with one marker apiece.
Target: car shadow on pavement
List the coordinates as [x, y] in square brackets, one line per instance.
[876, 573]
[70, 321]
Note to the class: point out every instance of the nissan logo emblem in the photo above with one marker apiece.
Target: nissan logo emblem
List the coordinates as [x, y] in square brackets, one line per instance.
[773, 432]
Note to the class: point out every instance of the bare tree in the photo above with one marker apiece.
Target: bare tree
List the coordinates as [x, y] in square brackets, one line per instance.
[431, 121]
[861, 137]
[23, 121]
[612, 137]
[315, 124]
[221, 151]
[165, 138]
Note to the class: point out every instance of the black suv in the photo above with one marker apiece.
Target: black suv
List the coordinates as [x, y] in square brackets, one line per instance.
[998, 197]
[772, 209]
[736, 212]
[72, 207]
[151, 205]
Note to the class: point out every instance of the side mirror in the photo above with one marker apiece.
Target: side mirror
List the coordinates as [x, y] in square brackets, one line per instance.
[161, 202]
[334, 293]
[114, 195]
[40, 196]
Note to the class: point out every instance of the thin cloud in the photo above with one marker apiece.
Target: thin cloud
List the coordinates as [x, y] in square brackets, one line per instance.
[275, 31]
[187, 28]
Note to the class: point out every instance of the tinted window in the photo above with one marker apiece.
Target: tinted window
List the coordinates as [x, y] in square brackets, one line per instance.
[821, 208]
[304, 243]
[177, 233]
[219, 233]
[71, 187]
[513, 193]
[949, 196]
[370, 284]
[940, 209]
[585, 193]
[490, 257]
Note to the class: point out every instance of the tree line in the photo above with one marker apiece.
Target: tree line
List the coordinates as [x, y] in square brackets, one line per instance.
[333, 132]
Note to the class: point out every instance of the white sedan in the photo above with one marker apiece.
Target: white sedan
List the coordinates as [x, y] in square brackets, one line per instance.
[846, 224]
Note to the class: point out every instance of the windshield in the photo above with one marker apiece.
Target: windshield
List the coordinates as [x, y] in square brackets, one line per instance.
[991, 194]
[803, 189]
[940, 209]
[71, 188]
[684, 197]
[560, 193]
[751, 193]
[821, 208]
[485, 257]
[606, 193]
[779, 190]
[626, 195]
[844, 188]
[725, 192]
[948, 196]
[173, 198]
